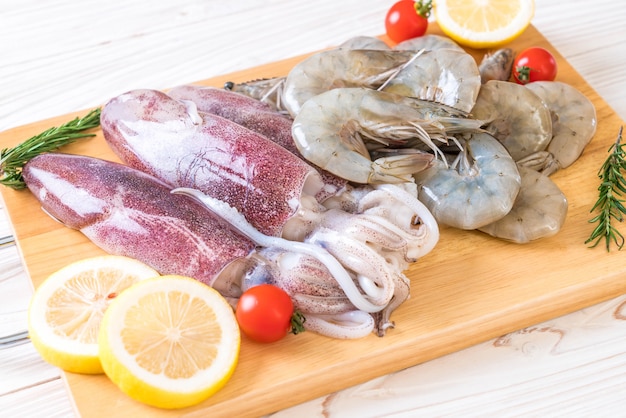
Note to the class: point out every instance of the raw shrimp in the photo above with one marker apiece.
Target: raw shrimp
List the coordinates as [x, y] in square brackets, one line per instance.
[428, 42]
[515, 116]
[269, 90]
[538, 212]
[478, 188]
[266, 90]
[574, 123]
[365, 42]
[446, 76]
[335, 68]
[331, 128]
[497, 65]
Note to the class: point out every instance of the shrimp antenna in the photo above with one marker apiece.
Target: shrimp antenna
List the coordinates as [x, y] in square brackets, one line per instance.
[399, 69]
[425, 137]
[275, 88]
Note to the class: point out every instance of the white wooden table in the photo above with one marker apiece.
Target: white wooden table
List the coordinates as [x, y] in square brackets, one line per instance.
[61, 56]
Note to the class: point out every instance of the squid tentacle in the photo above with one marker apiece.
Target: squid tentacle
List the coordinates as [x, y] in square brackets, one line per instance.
[241, 224]
[353, 324]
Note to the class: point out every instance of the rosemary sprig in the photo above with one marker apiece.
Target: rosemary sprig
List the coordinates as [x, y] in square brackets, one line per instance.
[611, 207]
[12, 160]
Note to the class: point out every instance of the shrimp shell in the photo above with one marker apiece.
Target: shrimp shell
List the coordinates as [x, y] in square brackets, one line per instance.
[270, 90]
[365, 42]
[331, 130]
[265, 90]
[445, 76]
[574, 122]
[478, 191]
[428, 42]
[497, 65]
[516, 117]
[336, 68]
[539, 210]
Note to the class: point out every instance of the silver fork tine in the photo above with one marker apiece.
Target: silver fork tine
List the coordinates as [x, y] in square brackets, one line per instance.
[8, 240]
[13, 340]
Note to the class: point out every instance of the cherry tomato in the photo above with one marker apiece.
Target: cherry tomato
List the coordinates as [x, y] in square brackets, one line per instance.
[534, 64]
[407, 19]
[264, 313]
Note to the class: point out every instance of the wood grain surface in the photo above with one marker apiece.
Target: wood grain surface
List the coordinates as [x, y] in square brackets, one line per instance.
[471, 288]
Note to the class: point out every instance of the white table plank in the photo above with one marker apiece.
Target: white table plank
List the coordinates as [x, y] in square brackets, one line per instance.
[65, 56]
[15, 291]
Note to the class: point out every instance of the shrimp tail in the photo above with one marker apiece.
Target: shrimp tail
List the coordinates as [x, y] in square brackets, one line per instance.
[400, 167]
[454, 125]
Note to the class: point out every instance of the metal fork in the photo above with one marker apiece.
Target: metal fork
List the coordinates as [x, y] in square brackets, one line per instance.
[6, 241]
[13, 340]
[17, 338]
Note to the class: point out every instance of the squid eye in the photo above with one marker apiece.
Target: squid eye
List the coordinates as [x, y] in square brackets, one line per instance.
[261, 273]
[229, 85]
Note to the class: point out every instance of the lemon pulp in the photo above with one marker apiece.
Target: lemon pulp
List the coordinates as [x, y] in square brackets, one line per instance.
[483, 23]
[169, 342]
[66, 309]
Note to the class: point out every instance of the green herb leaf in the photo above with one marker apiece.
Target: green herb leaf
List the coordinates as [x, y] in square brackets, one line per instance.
[609, 203]
[12, 160]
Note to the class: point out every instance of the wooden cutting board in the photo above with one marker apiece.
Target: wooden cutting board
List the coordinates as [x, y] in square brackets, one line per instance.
[470, 289]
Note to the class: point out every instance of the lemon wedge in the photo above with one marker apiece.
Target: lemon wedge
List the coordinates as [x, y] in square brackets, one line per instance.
[169, 342]
[66, 309]
[483, 23]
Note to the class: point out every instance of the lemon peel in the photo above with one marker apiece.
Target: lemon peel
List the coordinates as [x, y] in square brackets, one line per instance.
[169, 342]
[65, 311]
[483, 23]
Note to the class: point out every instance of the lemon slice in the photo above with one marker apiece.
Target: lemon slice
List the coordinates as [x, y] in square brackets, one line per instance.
[483, 23]
[66, 309]
[169, 342]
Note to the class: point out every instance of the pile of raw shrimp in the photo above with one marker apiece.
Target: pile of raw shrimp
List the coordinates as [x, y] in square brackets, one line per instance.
[480, 148]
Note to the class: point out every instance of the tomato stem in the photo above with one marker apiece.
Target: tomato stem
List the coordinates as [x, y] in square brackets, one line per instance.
[423, 8]
[297, 323]
[523, 74]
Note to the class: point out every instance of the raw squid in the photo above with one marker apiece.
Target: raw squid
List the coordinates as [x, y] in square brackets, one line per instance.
[257, 116]
[381, 207]
[219, 159]
[127, 212]
[170, 139]
[166, 138]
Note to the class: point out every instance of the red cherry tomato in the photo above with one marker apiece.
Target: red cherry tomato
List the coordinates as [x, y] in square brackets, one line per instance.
[407, 19]
[264, 313]
[534, 64]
